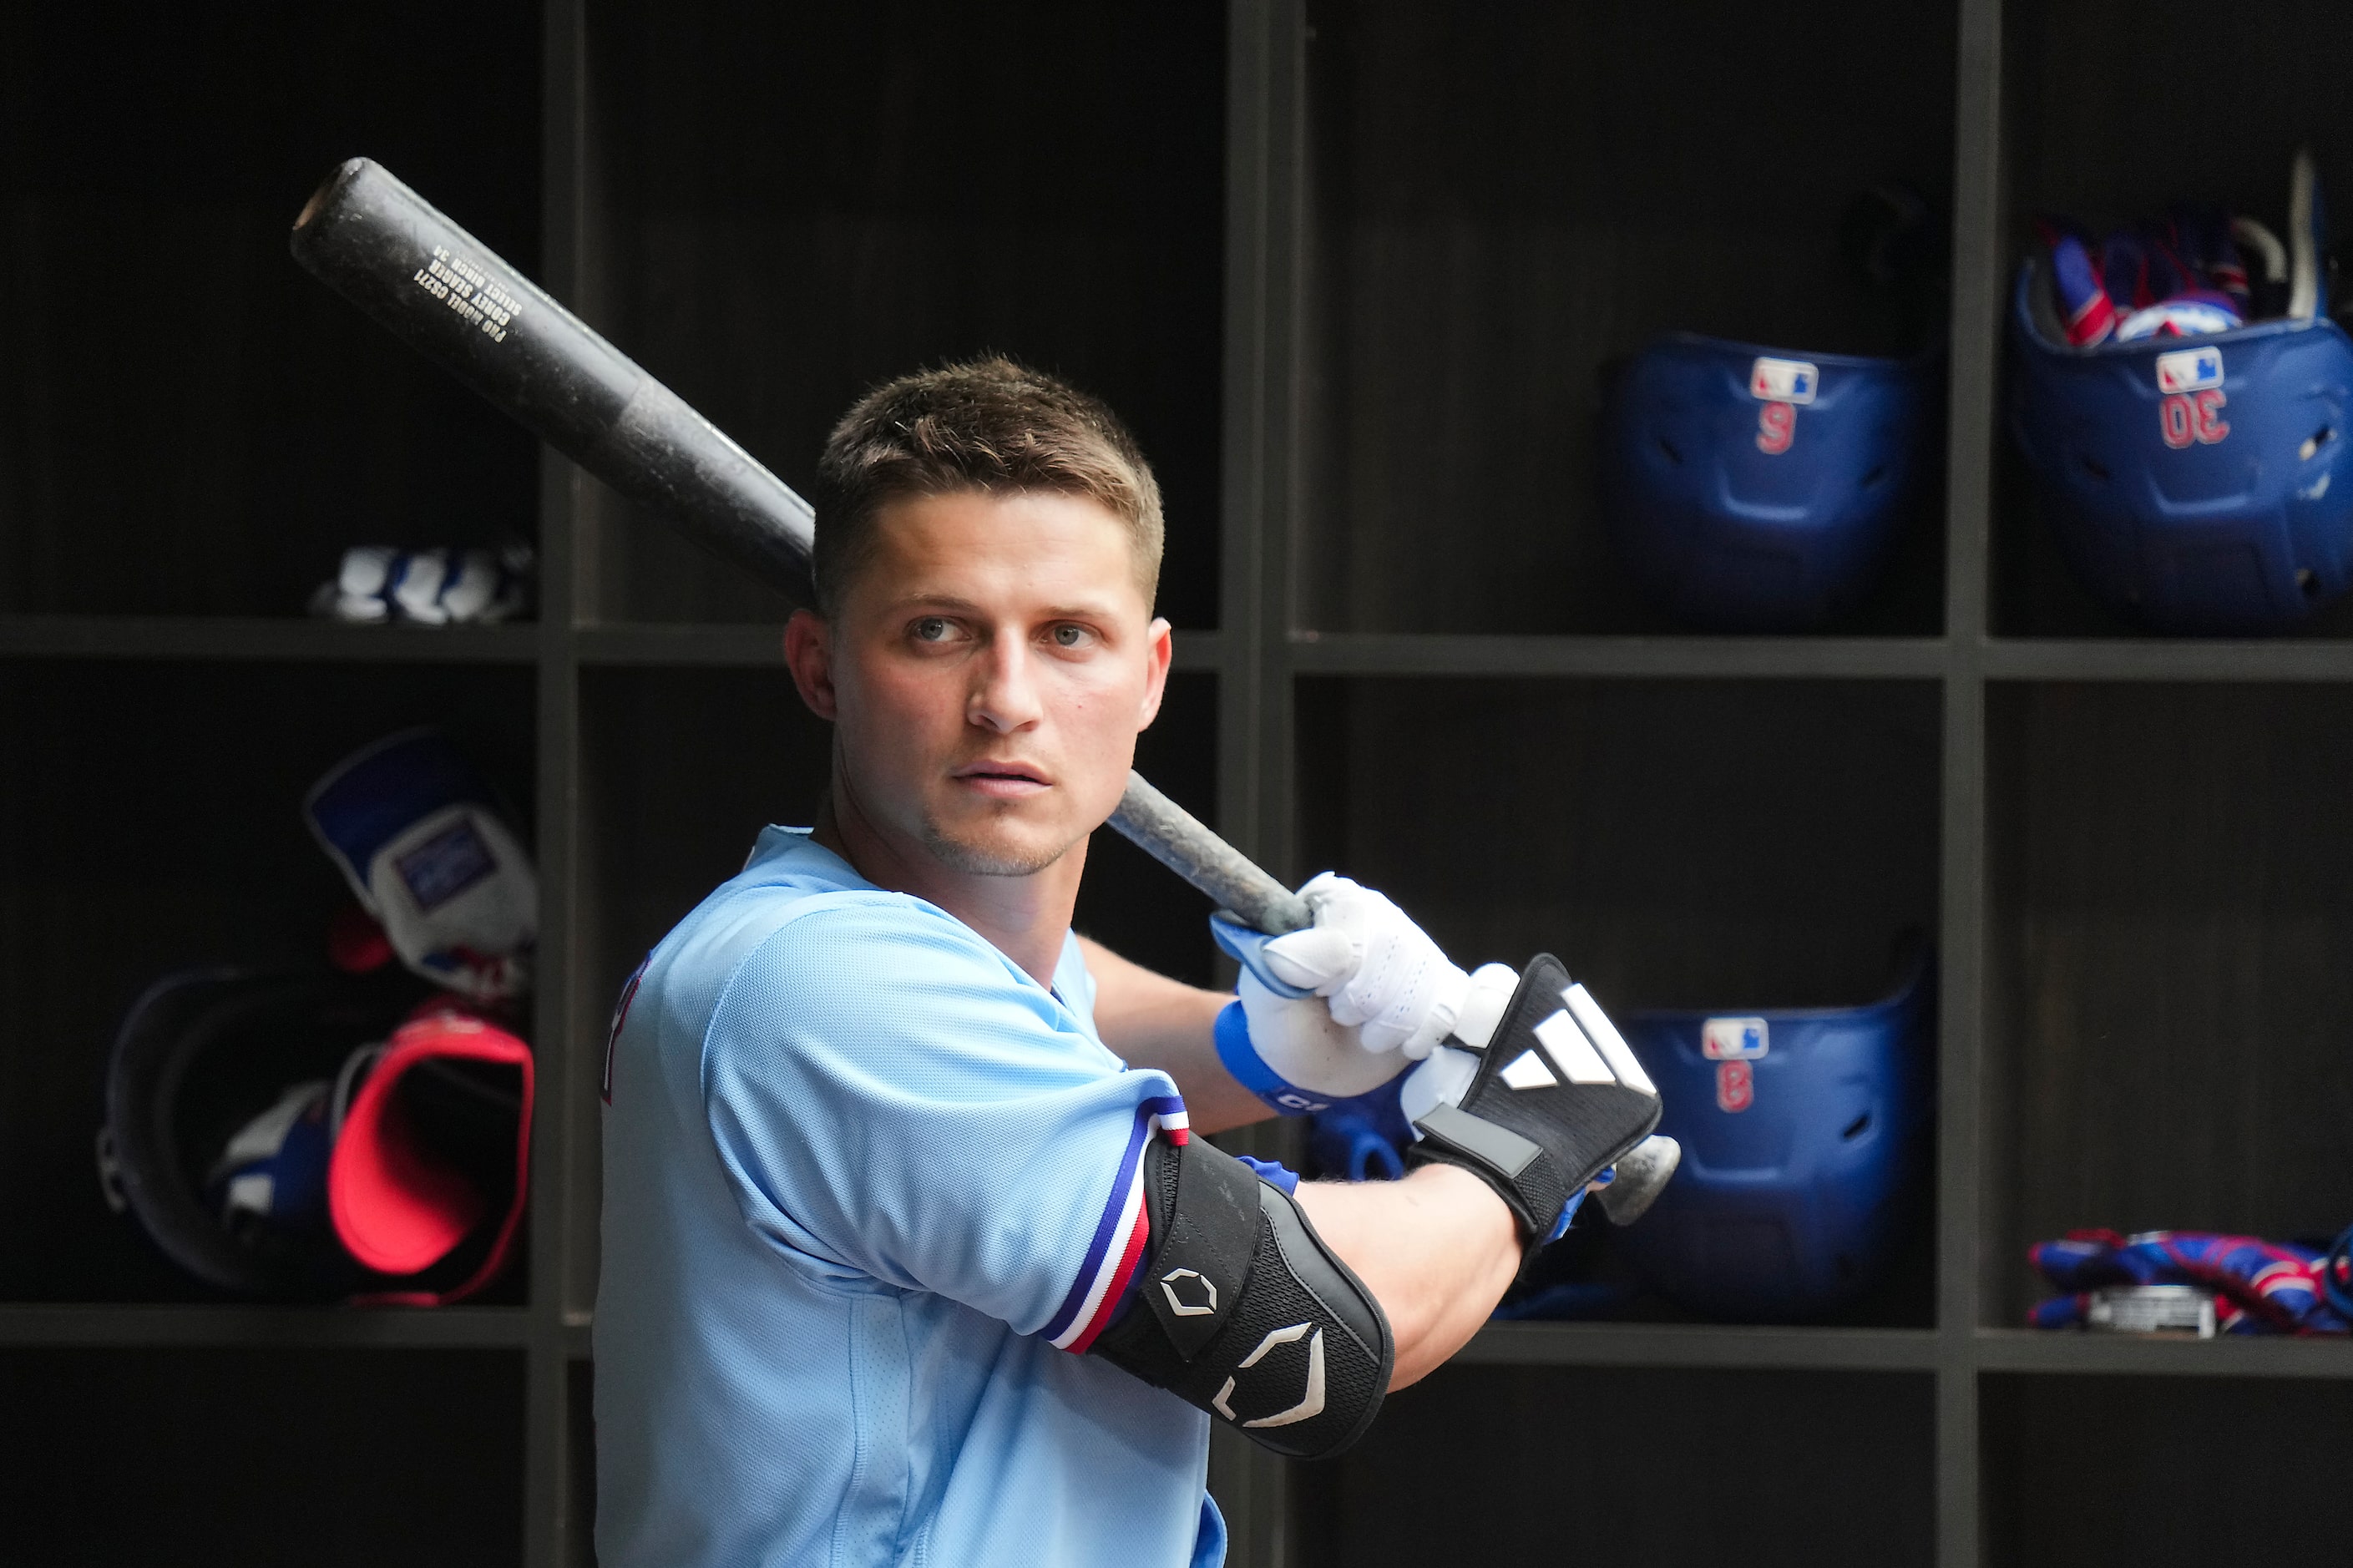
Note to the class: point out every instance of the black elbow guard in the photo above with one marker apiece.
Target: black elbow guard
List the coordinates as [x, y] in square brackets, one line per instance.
[1246, 1313]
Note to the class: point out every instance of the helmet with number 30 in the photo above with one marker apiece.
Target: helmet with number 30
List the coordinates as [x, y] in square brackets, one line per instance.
[2197, 484]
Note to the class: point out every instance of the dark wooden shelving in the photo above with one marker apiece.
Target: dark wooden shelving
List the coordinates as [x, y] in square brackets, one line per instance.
[255, 637]
[2028, 1351]
[98, 1326]
[1657, 656]
[2004, 1350]
[2185, 659]
[1377, 463]
[1704, 1345]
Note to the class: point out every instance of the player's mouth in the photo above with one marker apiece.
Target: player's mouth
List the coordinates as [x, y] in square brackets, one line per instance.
[1002, 780]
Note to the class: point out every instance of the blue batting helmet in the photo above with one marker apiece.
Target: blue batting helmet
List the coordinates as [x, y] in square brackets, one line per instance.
[1750, 488]
[2200, 483]
[1799, 1130]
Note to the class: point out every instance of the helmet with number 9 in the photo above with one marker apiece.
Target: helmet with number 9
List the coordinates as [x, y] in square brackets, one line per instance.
[2196, 485]
[1751, 491]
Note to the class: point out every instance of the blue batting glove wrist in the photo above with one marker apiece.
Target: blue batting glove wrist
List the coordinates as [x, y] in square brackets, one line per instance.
[1248, 948]
[1250, 1070]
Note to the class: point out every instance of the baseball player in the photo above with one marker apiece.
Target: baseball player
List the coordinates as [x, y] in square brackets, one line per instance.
[913, 1251]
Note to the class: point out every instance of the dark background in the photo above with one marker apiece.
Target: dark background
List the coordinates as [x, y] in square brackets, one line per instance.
[1354, 269]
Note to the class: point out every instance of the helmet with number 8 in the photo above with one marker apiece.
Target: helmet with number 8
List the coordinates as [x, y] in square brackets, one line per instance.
[2196, 484]
[1802, 1131]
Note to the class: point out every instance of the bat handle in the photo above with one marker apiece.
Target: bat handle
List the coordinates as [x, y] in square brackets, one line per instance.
[1183, 843]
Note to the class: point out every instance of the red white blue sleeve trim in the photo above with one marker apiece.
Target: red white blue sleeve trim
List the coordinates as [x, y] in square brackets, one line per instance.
[1117, 1247]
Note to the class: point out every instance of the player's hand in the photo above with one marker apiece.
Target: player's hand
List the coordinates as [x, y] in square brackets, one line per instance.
[1289, 1051]
[1283, 1042]
[1376, 971]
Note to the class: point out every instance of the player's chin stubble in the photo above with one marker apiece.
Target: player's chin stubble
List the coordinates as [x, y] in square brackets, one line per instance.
[973, 853]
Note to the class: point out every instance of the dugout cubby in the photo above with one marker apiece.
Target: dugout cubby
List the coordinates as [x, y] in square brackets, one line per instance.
[2168, 1472]
[262, 1458]
[1625, 1464]
[1475, 259]
[1352, 269]
[191, 424]
[150, 820]
[2098, 146]
[2169, 996]
[796, 202]
[1678, 844]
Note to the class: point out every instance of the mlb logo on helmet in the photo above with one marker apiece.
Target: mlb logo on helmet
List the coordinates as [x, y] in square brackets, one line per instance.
[1734, 1039]
[2190, 370]
[1782, 380]
[1780, 385]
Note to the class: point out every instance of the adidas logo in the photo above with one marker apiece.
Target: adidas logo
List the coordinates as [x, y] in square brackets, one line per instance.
[1583, 1043]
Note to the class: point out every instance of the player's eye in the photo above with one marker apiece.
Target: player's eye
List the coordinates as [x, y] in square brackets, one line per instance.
[932, 628]
[1068, 635]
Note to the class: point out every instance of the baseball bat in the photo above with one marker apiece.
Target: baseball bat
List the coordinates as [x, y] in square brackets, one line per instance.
[455, 301]
[451, 298]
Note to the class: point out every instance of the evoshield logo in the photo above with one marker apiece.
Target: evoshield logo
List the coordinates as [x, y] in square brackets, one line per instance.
[1311, 1403]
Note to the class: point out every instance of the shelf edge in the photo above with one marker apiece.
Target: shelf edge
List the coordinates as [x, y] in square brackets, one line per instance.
[1704, 657]
[2028, 1351]
[1731, 1347]
[260, 639]
[122, 1327]
[2151, 658]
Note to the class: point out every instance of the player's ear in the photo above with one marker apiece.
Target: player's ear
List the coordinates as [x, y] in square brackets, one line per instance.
[1159, 649]
[808, 654]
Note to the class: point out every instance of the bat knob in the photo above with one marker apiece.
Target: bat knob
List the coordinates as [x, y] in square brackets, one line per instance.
[1643, 1172]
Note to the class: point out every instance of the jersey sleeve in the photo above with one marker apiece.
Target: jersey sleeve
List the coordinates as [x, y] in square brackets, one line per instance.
[889, 1097]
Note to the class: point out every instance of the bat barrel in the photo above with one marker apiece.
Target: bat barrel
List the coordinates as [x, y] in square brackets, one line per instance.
[442, 292]
[451, 298]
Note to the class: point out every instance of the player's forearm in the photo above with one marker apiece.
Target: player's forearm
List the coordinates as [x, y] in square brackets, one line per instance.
[1437, 1250]
[1152, 1021]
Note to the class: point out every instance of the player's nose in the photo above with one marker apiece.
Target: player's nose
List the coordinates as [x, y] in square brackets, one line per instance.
[1005, 695]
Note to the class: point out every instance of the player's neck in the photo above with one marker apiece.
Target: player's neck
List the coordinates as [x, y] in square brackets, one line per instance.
[1024, 918]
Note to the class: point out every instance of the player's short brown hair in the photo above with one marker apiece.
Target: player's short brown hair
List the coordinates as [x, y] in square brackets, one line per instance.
[985, 425]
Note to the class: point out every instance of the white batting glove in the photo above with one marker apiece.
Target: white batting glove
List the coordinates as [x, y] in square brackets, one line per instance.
[1377, 971]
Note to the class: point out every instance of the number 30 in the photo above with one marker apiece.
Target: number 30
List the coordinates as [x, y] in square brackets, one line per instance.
[2184, 417]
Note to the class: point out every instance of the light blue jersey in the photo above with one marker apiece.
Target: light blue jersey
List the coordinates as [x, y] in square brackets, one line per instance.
[866, 1188]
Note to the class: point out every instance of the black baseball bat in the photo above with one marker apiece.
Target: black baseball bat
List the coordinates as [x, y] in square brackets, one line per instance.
[455, 301]
[451, 298]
